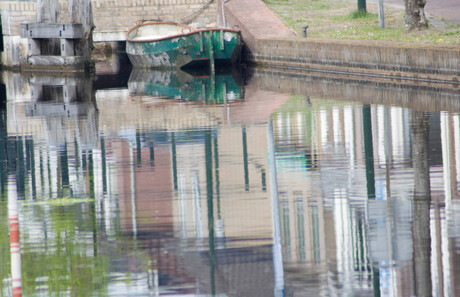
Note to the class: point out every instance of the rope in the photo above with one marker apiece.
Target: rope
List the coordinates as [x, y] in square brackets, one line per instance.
[224, 21]
[191, 15]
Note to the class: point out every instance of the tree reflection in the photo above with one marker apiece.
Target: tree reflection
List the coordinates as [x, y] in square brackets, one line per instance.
[63, 263]
[58, 242]
[421, 204]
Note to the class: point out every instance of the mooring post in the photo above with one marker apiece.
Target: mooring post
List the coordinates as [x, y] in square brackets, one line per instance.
[304, 30]
[47, 12]
[81, 13]
[56, 46]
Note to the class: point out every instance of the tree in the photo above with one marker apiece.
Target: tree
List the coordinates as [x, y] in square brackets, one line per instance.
[362, 5]
[415, 15]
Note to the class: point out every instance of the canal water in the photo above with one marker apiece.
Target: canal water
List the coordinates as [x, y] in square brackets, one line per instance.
[262, 183]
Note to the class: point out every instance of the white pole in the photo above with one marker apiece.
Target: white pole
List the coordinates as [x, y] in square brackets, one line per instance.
[277, 249]
[381, 15]
[133, 191]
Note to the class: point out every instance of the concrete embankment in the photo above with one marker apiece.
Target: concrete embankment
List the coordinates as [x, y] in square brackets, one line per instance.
[421, 62]
[432, 97]
[271, 44]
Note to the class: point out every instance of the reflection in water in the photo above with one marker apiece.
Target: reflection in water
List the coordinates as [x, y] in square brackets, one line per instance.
[278, 195]
[223, 87]
[421, 204]
[15, 248]
[277, 248]
[55, 98]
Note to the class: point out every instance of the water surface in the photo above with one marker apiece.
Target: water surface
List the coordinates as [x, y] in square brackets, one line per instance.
[189, 184]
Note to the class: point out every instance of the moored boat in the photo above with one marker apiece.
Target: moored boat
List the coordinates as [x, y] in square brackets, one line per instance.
[172, 45]
[222, 87]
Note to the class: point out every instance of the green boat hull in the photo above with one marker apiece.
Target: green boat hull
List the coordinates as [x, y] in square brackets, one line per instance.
[182, 50]
[183, 86]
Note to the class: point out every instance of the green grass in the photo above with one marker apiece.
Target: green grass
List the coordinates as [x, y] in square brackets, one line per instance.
[341, 20]
[358, 14]
[61, 201]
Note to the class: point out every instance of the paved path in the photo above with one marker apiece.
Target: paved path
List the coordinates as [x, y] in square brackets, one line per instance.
[255, 20]
[448, 10]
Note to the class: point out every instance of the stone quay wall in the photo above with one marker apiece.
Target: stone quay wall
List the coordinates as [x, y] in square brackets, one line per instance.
[386, 59]
[112, 18]
[406, 94]
[269, 43]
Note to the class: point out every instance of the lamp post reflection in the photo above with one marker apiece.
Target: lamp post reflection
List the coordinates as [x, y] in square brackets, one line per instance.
[370, 180]
[277, 250]
[421, 204]
[15, 250]
[210, 196]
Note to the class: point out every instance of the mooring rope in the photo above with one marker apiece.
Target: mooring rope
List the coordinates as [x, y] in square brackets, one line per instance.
[224, 21]
[191, 15]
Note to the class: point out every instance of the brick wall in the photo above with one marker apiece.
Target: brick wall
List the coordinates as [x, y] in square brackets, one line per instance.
[15, 13]
[117, 14]
[123, 14]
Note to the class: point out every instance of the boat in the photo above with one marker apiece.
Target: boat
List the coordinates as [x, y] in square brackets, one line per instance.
[157, 44]
[222, 87]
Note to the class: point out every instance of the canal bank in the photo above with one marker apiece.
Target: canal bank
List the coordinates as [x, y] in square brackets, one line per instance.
[269, 43]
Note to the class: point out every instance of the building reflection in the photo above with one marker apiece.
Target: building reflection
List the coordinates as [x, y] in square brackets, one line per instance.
[304, 197]
[358, 175]
[180, 188]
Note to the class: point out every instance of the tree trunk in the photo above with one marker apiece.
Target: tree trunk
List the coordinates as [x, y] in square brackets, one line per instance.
[415, 15]
[362, 6]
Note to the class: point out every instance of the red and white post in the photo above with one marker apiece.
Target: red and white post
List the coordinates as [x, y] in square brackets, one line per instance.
[15, 248]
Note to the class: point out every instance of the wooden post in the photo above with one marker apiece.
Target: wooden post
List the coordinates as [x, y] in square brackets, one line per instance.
[81, 13]
[49, 39]
[34, 47]
[36, 92]
[48, 12]
[67, 47]
[69, 93]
